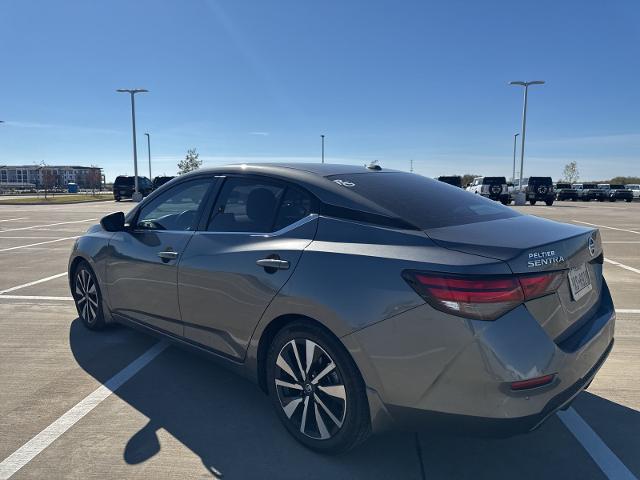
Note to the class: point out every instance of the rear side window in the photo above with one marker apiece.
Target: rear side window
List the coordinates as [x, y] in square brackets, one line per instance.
[421, 201]
[124, 181]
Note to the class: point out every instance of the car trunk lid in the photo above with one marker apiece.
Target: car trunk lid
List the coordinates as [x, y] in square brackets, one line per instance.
[532, 245]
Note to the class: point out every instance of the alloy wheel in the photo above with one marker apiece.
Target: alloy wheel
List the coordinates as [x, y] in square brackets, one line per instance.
[86, 296]
[310, 389]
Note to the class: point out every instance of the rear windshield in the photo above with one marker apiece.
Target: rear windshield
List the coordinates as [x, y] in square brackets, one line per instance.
[617, 187]
[421, 201]
[540, 180]
[124, 180]
[563, 185]
[589, 185]
[494, 180]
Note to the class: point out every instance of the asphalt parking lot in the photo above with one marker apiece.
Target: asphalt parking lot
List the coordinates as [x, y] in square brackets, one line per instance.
[175, 415]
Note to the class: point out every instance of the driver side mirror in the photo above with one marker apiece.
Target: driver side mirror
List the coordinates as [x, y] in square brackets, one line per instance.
[114, 222]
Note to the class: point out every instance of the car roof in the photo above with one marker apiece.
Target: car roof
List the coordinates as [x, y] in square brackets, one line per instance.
[294, 170]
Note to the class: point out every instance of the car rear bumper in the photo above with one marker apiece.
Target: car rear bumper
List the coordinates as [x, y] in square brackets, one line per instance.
[434, 371]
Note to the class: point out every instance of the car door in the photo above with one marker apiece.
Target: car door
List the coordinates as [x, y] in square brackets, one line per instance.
[243, 255]
[142, 266]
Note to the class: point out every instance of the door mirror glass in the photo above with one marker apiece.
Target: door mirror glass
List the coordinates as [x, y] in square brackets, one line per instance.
[114, 222]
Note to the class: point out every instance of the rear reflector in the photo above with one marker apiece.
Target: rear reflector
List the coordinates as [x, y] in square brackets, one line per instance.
[532, 382]
[481, 298]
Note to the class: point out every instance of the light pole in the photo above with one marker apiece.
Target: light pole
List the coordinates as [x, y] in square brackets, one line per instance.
[322, 137]
[515, 141]
[149, 153]
[524, 129]
[132, 91]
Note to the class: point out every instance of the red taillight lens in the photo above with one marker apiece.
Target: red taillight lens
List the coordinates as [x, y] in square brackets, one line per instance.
[481, 298]
[538, 285]
[532, 382]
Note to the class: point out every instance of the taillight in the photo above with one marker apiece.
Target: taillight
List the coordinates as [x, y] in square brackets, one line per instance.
[481, 298]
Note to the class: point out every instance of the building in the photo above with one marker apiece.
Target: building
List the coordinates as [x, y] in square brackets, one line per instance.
[49, 176]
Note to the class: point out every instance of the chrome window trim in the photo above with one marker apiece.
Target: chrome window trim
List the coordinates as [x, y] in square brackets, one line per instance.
[309, 218]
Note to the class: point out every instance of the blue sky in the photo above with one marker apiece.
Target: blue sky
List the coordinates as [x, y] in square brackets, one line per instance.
[261, 80]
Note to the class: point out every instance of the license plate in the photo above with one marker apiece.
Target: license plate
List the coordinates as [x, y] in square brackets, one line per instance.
[579, 282]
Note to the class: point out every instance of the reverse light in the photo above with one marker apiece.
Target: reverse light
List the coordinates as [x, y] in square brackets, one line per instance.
[481, 298]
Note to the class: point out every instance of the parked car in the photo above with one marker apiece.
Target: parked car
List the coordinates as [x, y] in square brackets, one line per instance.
[537, 189]
[590, 191]
[565, 191]
[124, 186]
[353, 306]
[615, 192]
[455, 180]
[160, 180]
[635, 189]
[494, 188]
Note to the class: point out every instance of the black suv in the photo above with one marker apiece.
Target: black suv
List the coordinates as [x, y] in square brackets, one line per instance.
[565, 191]
[616, 192]
[539, 189]
[455, 180]
[124, 185]
[590, 191]
[159, 181]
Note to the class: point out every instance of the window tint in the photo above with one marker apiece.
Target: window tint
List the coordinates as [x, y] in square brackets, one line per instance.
[246, 205]
[424, 202]
[296, 205]
[175, 209]
[493, 180]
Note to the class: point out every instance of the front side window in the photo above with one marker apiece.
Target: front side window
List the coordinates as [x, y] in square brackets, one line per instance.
[175, 209]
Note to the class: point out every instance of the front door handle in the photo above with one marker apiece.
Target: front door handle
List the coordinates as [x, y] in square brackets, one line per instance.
[273, 264]
[168, 255]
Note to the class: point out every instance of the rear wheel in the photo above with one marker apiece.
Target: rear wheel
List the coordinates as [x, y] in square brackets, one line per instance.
[117, 198]
[316, 389]
[87, 297]
[612, 199]
[629, 200]
[549, 202]
[532, 202]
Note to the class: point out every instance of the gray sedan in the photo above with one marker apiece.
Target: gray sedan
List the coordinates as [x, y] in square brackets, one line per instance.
[359, 299]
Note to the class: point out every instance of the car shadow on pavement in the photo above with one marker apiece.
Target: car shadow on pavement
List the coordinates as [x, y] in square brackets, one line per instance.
[229, 423]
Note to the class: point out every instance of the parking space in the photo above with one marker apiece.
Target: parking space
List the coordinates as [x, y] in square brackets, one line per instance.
[177, 415]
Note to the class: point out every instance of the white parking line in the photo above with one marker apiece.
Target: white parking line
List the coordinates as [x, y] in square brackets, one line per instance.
[604, 226]
[627, 310]
[48, 225]
[34, 238]
[36, 244]
[46, 437]
[13, 219]
[33, 297]
[36, 282]
[622, 241]
[622, 265]
[606, 460]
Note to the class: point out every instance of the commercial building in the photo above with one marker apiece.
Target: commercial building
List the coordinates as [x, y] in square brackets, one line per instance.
[17, 177]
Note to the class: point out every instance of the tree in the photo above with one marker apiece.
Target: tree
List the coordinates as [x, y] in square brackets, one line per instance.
[570, 172]
[624, 180]
[49, 180]
[467, 178]
[190, 163]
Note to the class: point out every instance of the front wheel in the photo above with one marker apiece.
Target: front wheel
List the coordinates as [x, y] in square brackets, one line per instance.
[629, 200]
[86, 294]
[316, 389]
[532, 202]
[549, 202]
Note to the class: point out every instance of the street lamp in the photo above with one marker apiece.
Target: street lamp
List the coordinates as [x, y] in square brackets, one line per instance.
[515, 141]
[322, 136]
[132, 91]
[149, 153]
[524, 128]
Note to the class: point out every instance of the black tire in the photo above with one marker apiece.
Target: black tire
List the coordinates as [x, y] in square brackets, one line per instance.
[549, 202]
[532, 202]
[601, 199]
[87, 297]
[351, 412]
[117, 198]
[612, 199]
[628, 200]
[505, 202]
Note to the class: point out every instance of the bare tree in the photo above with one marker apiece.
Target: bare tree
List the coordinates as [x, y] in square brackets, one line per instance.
[190, 163]
[49, 180]
[570, 172]
[94, 179]
[467, 178]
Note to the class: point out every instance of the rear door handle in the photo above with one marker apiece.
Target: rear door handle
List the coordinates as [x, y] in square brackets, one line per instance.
[168, 255]
[273, 263]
